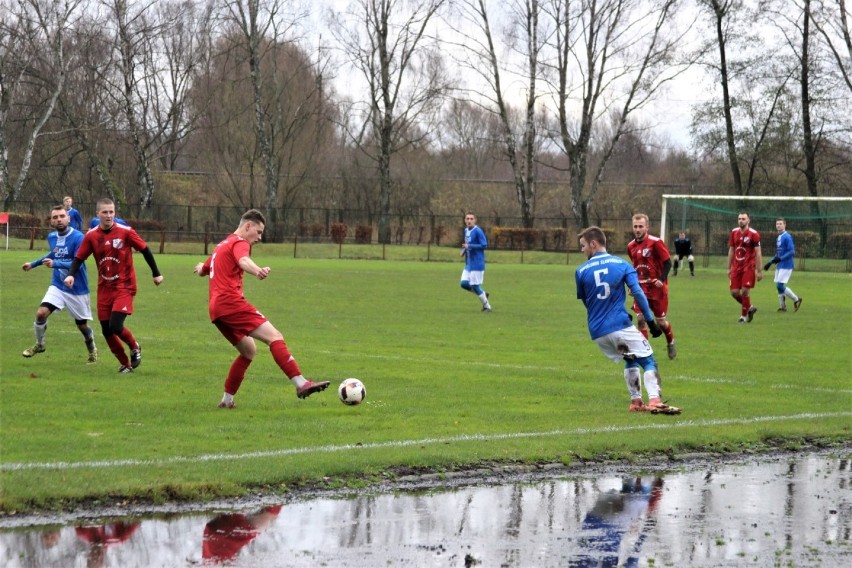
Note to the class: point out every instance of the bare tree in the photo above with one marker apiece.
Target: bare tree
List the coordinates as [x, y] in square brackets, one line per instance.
[185, 38]
[33, 51]
[520, 137]
[831, 19]
[405, 80]
[614, 56]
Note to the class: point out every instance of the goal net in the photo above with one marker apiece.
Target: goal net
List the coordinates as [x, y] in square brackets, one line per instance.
[820, 226]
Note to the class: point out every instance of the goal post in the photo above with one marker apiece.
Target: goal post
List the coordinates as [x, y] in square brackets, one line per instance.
[737, 198]
[821, 226]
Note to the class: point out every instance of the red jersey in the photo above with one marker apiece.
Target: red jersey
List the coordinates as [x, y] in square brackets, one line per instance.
[648, 258]
[113, 255]
[745, 244]
[226, 276]
[226, 535]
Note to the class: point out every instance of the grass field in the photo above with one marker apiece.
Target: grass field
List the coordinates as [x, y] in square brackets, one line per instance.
[448, 386]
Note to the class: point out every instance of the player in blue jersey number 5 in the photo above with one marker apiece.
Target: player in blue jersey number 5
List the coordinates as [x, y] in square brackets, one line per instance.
[601, 282]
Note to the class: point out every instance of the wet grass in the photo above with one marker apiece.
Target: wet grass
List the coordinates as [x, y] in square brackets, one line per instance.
[448, 386]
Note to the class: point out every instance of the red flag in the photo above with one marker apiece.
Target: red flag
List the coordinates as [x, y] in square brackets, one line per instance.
[4, 218]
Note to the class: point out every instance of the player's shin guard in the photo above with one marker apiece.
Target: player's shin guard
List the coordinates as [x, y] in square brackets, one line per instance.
[633, 379]
[117, 349]
[746, 305]
[236, 374]
[40, 328]
[790, 294]
[283, 359]
[669, 333]
[652, 384]
[127, 336]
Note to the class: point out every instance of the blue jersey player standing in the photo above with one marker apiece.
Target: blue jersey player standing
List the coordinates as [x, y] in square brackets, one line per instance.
[601, 282]
[473, 250]
[785, 254]
[64, 242]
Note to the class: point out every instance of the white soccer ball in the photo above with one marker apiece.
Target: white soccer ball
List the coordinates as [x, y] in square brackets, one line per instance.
[351, 392]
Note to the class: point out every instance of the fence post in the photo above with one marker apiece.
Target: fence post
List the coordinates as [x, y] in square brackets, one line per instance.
[162, 242]
[32, 236]
[295, 243]
[206, 242]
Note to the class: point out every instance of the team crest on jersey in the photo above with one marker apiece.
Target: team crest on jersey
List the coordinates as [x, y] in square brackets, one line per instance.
[646, 253]
[746, 240]
[117, 243]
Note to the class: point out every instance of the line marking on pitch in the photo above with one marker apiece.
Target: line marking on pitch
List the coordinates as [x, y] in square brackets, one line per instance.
[409, 443]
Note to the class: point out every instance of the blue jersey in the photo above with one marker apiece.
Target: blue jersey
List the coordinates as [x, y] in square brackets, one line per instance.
[785, 250]
[75, 219]
[62, 250]
[476, 242]
[600, 285]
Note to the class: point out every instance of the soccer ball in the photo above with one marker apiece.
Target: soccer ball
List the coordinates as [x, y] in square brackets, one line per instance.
[351, 392]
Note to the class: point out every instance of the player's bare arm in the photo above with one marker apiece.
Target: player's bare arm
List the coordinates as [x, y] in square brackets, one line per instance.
[248, 265]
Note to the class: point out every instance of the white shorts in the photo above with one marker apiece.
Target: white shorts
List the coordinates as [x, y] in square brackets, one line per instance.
[783, 275]
[78, 305]
[475, 277]
[627, 341]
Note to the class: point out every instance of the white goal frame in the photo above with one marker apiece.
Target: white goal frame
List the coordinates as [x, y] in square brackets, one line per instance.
[667, 196]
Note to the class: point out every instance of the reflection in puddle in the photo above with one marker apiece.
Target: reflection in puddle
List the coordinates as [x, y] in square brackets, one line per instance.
[771, 511]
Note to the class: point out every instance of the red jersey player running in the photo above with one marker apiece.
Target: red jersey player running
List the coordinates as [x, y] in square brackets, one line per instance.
[239, 321]
[745, 264]
[652, 262]
[112, 244]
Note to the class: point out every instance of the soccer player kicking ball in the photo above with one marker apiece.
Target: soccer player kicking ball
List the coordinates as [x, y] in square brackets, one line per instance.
[239, 321]
[600, 285]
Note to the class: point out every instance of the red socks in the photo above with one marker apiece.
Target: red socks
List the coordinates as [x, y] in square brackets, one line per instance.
[283, 358]
[236, 374]
[117, 348]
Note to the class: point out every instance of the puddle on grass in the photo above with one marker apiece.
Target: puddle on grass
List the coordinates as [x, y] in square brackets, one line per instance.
[789, 510]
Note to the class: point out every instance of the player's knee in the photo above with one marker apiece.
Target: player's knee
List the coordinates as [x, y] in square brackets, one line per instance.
[780, 286]
[106, 330]
[465, 284]
[477, 289]
[648, 363]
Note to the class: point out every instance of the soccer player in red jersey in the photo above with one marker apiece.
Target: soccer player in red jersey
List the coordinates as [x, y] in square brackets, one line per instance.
[112, 244]
[239, 321]
[651, 259]
[227, 534]
[745, 264]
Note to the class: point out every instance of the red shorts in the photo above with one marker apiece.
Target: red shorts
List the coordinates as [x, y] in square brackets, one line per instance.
[112, 300]
[237, 325]
[742, 279]
[658, 300]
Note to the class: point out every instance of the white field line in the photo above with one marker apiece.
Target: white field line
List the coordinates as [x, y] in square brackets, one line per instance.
[708, 380]
[408, 443]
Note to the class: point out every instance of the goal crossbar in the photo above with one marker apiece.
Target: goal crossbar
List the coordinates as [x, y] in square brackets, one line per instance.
[667, 196]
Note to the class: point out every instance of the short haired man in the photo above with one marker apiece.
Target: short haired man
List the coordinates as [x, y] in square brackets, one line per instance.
[473, 250]
[785, 254]
[75, 219]
[601, 282]
[744, 264]
[239, 321]
[112, 245]
[683, 249]
[652, 262]
[63, 243]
